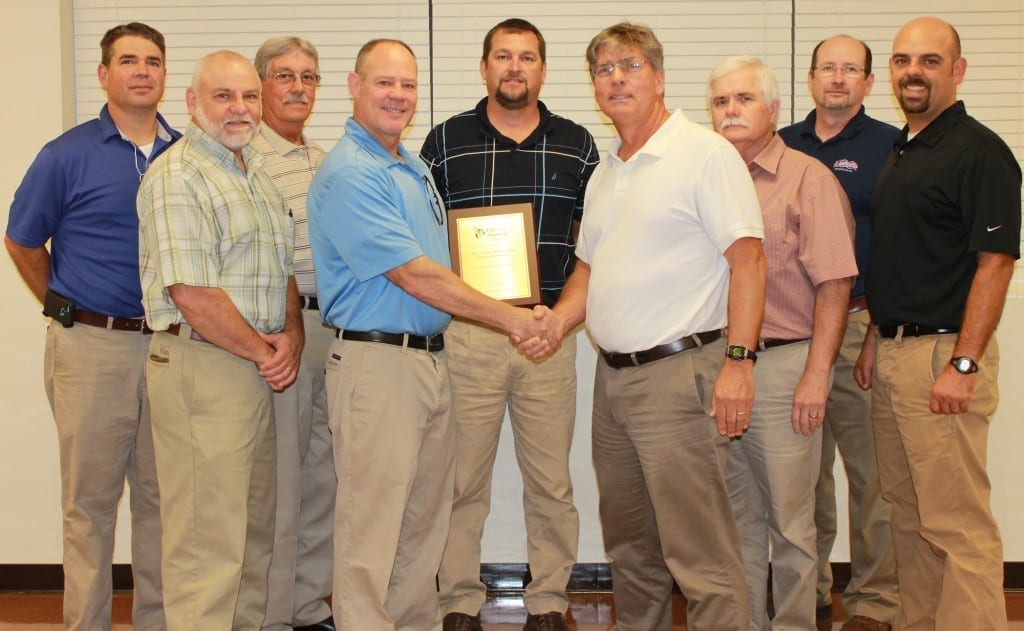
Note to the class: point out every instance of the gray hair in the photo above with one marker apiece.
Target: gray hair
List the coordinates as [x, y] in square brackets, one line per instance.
[765, 76]
[277, 46]
[626, 35]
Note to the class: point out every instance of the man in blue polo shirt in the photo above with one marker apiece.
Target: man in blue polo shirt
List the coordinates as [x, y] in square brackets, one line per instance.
[80, 194]
[380, 249]
[854, 146]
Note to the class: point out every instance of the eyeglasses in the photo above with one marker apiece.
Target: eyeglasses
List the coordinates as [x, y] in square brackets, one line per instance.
[847, 70]
[435, 205]
[287, 77]
[627, 66]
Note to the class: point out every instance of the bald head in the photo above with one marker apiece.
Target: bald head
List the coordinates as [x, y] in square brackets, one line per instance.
[934, 29]
[216, 62]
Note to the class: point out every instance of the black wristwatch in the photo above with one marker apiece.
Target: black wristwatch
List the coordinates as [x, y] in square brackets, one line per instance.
[739, 353]
[964, 365]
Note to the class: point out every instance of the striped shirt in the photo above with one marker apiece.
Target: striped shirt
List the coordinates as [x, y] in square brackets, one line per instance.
[473, 164]
[292, 168]
[204, 222]
[808, 236]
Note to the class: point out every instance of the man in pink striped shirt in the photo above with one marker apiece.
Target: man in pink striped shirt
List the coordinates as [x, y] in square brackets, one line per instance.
[808, 226]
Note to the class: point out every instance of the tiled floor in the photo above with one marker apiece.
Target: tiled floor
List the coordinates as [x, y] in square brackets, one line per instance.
[592, 611]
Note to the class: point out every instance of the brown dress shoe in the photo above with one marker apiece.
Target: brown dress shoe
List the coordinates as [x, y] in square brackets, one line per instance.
[462, 622]
[863, 623]
[550, 621]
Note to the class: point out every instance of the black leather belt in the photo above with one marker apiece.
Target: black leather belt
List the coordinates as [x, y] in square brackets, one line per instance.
[176, 329]
[912, 330]
[309, 303]
[772, 342]
[625, 360]
[110, 322]
[419, 342]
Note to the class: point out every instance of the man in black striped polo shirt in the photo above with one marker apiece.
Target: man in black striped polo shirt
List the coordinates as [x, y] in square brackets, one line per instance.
[510, 149]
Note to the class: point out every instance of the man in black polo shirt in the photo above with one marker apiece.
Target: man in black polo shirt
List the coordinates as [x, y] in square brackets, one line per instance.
[511, 149]
[853, 145]
[946, 212]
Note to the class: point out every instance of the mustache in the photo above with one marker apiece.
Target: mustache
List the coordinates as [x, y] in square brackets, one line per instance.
[915, 81]
[734, 122]
[240, 119]
[296, 98]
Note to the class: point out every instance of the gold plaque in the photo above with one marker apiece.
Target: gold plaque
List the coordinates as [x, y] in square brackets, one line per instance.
[493, 250]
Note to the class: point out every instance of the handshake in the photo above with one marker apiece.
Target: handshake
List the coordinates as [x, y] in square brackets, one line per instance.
[537, 333]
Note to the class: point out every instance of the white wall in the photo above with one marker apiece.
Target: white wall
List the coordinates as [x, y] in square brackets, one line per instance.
[32, 113]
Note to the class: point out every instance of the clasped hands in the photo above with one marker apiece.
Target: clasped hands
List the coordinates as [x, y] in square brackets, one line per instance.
[537, 333]
[282, 367]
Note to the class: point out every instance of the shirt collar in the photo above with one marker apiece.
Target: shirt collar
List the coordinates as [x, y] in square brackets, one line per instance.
[852, 128]
[934, 131]
[535, 136]
[660, 142]
[280, 145]
[365, 139]
[769, 158]
[109, 128]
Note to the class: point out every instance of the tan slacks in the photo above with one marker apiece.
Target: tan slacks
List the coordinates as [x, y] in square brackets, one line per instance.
[932, 467]
[300, 570]
[488, 374]
[96, 384]
[771, 475]
[664, 507]
[390, 416]
[872, 591]
[214, 437]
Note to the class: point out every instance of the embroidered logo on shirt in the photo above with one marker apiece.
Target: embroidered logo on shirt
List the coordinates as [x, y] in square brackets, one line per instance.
[846, 165]
[993, 228]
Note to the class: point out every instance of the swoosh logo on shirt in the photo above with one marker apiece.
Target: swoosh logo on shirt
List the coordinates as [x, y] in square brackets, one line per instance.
[993, 228]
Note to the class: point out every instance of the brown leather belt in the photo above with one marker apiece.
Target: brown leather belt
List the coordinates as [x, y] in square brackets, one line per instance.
[176, 329]
[860, 303]
[429, 343]
[110, 322]
[912, 330]
[625, 360]
[772, 342]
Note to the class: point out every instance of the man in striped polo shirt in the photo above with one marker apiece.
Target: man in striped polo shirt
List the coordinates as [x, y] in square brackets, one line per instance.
[511, 149]
[300, 571]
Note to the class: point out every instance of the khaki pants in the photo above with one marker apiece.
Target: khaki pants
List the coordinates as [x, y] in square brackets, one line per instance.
[488, 374]
[300, 570]
[771, 476]
[394, 445]
[932, 467]
[213, 433]
[664, 507]
[872, 590]
[96, 384]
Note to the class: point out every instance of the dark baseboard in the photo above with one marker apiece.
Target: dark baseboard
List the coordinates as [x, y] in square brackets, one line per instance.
[501, 578]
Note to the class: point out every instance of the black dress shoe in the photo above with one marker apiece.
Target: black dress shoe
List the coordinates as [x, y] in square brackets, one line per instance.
[457, 621]
[550, 621]
[327, 624]
[823, 612]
